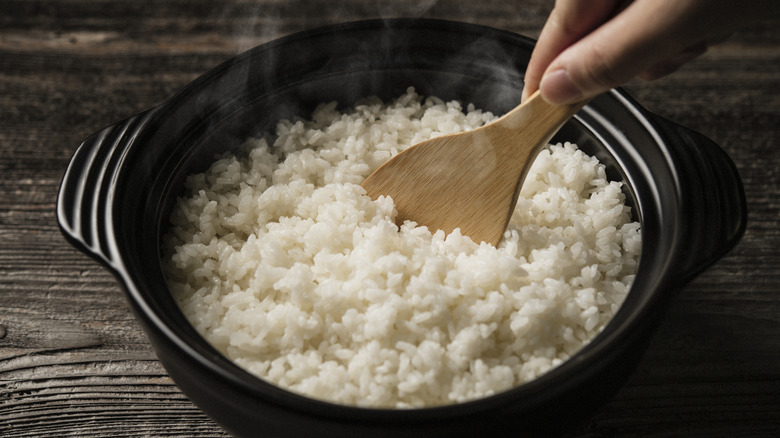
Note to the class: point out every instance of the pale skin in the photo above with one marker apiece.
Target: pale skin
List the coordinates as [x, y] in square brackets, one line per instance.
[589, 46]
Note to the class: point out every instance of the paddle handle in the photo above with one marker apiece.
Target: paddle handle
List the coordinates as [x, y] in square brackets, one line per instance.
[537, 120]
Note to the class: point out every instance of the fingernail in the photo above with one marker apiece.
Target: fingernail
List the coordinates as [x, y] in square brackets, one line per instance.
[557, 88]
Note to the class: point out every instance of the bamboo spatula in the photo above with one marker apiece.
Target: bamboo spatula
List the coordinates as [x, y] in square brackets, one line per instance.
[470, 180]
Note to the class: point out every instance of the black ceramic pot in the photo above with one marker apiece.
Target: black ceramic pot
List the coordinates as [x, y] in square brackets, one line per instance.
[120, 186]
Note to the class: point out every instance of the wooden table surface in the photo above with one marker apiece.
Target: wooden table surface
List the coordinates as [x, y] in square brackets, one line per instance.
[73, 361]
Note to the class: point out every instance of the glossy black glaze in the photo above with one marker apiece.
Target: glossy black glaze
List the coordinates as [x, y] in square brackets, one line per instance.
[117, 193]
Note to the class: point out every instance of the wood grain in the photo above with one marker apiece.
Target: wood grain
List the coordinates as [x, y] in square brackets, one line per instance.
[73, 361]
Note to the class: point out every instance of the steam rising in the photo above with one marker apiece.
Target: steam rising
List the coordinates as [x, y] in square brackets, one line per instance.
[257, 22]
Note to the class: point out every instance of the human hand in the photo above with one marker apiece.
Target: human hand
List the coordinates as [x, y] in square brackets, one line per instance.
[589, 46]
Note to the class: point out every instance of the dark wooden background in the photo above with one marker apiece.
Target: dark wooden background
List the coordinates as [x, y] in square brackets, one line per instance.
[73, 362]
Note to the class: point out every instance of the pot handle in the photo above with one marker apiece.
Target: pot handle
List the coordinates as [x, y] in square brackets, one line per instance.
[713, 198]
[84, 213]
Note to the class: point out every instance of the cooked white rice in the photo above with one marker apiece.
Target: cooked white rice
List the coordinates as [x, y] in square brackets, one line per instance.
[280, 260]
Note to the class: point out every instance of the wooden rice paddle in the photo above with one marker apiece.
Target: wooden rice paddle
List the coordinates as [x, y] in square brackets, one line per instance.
[470, 180]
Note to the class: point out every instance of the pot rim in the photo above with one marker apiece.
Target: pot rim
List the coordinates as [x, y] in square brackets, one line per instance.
[559, 377]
